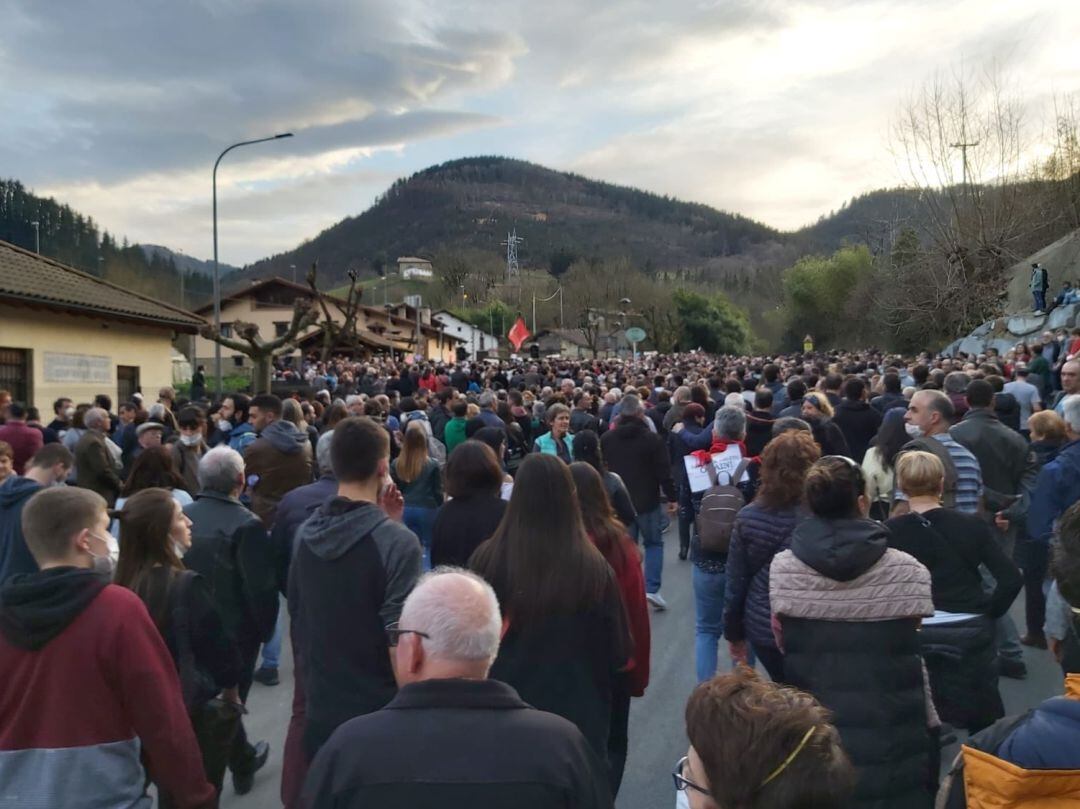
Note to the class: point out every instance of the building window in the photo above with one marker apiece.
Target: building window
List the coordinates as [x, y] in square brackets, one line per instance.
[127, 382]
[15, 373]
[238, 360]
[226, 330]
[280, 328]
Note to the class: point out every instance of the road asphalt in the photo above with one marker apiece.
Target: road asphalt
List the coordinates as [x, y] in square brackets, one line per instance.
[657, 732]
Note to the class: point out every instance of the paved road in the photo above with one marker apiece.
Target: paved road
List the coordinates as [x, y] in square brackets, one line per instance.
[657, 736]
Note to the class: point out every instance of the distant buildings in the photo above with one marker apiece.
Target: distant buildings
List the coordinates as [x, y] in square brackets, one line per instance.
[474, 340]
[269, 305]
[416, 268]
[64, 332]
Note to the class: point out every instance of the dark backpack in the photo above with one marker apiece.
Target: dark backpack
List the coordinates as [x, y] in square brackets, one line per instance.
[935, 447]
[720, 503]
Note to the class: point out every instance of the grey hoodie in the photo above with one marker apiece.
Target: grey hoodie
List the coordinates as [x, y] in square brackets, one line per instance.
[285, 437]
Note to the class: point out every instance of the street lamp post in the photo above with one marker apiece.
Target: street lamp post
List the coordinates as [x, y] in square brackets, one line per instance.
[217, 274]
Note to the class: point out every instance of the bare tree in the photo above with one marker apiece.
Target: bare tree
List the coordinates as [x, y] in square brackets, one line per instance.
[960, 140]
[338, 332]
[250, 343]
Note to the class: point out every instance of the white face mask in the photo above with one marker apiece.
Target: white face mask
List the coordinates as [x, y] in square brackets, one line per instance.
[190, 440]
[913, 430]
[179, 549]
[107, 563]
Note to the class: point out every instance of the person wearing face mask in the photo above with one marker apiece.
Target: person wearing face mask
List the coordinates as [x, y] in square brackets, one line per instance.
[112, 699]
[153, 468]
[157, 534]
[48, 467]
[190, 448]
[927, 421]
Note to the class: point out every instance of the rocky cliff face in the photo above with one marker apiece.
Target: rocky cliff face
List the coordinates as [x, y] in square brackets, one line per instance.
[1062, 260]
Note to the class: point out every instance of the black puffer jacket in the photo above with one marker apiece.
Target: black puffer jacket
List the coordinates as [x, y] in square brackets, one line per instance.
[760, 533]
[859, 423]
[848, 609]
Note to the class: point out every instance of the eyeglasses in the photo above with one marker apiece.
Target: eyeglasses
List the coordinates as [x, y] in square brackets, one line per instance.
[394, 633]
[682, 783]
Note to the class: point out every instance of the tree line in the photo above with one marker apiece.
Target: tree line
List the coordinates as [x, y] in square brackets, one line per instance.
[71, 238]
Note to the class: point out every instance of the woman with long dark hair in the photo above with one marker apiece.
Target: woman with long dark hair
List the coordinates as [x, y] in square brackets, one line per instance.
[156, 535]
[566, 637]
[610, 537]
[475, 508]
[419, 479]
[587, 449]
[154, 468]
[879, 462]
[763, 529]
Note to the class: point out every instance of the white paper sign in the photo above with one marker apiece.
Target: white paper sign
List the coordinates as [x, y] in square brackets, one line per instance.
[725, 463]
[77, 368]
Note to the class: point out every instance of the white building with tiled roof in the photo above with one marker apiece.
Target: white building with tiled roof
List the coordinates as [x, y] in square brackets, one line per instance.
[66, 333]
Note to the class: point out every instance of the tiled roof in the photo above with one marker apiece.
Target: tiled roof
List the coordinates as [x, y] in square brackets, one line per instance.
[26, 277]
[243, 289]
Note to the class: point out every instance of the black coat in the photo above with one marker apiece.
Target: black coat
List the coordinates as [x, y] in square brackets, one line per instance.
[868, 673]
[230, 549]
[461, 525]
[859, 423]
[641, 459]
[442, 744]
[568, 663]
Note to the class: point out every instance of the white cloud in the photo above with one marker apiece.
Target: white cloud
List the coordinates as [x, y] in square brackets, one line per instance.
[778, 110]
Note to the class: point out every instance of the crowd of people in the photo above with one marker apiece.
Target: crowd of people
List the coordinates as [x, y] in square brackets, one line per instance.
[469, 554]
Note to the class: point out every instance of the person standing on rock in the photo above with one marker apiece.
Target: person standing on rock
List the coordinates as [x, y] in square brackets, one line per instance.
[1040, 282]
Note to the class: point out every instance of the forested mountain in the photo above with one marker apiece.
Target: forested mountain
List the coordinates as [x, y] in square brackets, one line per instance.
[183, 261]
[473, 203]
[69, 237]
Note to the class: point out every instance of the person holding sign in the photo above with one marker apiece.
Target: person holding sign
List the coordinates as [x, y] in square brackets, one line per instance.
[731, 472]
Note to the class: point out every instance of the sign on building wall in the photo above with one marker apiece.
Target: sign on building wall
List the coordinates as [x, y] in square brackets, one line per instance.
[76, 368]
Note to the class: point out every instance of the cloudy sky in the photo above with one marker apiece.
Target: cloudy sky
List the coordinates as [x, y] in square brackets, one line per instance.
[778, 110]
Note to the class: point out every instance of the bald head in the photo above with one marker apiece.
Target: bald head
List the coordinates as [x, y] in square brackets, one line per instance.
[458, 615]
[1070, 377]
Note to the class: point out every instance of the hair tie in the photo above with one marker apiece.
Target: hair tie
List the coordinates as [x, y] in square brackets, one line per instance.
[790, 758]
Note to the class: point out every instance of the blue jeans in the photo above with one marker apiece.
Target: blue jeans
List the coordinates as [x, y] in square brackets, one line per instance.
[709, 623]
[1040, 300]
[271, 652]
[647, 527]
[420, 521]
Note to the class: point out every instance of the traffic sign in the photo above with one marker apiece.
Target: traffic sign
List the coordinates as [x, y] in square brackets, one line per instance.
[635, 334]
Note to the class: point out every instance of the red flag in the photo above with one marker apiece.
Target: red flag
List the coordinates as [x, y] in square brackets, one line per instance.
[519, 333]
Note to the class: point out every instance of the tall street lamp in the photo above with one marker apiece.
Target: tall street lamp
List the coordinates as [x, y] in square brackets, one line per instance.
[217, 274]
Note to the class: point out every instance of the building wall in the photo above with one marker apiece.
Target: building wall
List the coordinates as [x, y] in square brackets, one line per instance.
[98, 344]
[265, 317]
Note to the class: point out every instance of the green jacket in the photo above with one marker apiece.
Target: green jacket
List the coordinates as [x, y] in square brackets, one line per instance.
[454, 433]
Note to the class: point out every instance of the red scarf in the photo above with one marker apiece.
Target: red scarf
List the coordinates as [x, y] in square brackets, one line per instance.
[719, 445]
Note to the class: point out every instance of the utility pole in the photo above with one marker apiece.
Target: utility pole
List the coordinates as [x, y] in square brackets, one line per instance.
[293, 268]
[963, 147]
[513, 268]
[37, 236]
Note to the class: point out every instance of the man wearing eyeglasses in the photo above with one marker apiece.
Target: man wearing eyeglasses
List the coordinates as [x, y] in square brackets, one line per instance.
[452, 737]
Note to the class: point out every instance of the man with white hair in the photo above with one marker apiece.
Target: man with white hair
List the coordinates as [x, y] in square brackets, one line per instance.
[485, 746]
[96, 469]
[231, 551]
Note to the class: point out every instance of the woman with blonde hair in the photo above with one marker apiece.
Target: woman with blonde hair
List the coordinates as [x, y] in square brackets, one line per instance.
[418, 477]
[959, 646]
[817, 411]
